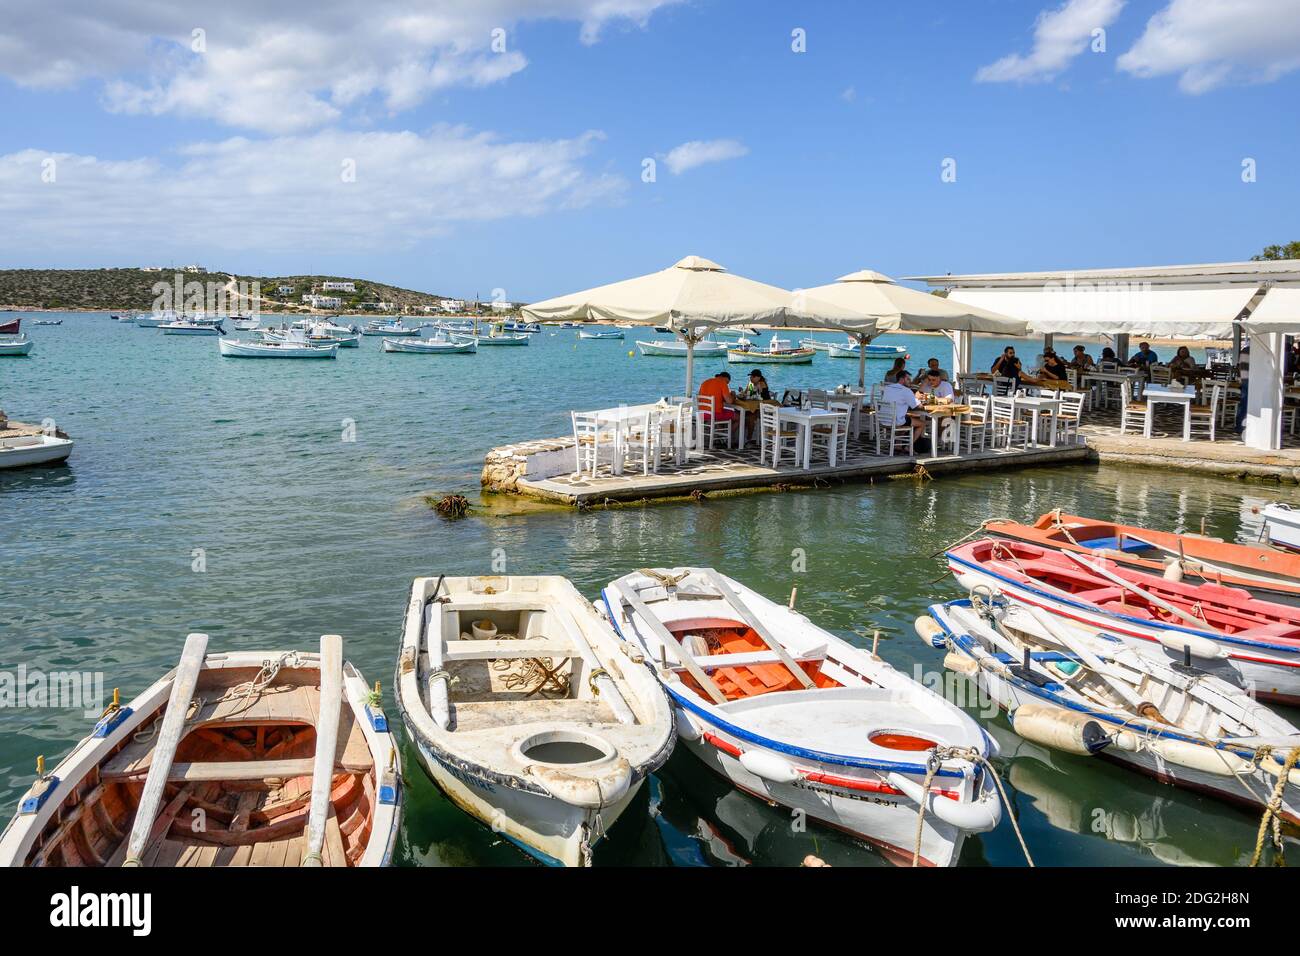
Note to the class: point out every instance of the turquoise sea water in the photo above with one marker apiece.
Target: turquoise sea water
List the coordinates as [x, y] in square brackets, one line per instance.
[182, 454]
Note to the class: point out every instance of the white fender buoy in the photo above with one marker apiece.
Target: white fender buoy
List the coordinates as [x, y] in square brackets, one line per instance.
[1128, 741]
[1059, 729]
[975, 817]
[768, 766]
[1201, 648]
[959, 663]
[687, 728]
[1174, 571]
[1272, 766]
[1203, 758]
[929, 631]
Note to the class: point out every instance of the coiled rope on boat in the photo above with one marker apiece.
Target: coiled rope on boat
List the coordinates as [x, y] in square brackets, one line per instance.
[937, 757]
[1272, 818]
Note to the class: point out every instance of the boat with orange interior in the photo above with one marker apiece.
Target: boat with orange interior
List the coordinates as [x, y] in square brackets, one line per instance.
[284, 757]
[795, 716]
[1230, 633]
[1268, 574]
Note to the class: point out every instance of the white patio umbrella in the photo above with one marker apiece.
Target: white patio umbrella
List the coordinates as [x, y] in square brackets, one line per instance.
[883, 305]
[691, 297]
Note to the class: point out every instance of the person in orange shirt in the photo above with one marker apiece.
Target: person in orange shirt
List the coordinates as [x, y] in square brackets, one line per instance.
[714, 394]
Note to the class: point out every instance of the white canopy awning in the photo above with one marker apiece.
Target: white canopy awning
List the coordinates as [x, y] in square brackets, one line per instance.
[1278, 311]
[1112, 308]
[896, 308]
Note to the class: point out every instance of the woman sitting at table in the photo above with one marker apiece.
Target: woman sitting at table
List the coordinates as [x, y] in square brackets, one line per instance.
[1007, 365]
[1082, 360]
[1054, 367]
[1108, 356]
[900, 364]
[756, 388]
[933, 384]
[1182, 367]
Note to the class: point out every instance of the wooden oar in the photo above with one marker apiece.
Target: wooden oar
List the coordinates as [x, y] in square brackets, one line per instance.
[1145, 595]
[327, 735]
[169, 737]
[752, 620]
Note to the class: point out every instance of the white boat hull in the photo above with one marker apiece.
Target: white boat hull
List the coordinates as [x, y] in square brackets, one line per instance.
[520, 339]
[1282, 525]
[15, 347]
[678, 349]
[33, 450]
[761, 357]
[428, 347]
[232, 348]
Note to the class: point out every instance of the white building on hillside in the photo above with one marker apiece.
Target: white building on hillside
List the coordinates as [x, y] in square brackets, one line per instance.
[339, 286]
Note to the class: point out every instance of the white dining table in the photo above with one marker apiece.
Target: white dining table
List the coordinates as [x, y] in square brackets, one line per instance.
[806, 419]
[1039, 405]
[619, 418]
[1171, 396]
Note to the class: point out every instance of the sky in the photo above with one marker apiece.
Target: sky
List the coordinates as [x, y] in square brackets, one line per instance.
[538, 147]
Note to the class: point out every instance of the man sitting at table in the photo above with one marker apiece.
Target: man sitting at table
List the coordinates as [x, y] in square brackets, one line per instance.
[1144, 358]
[905, 402]
[932, 365]
[1082, 360]
[715, 394]
[932, 384]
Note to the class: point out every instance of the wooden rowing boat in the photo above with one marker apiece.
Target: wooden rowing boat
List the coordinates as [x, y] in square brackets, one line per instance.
[217, 764]
[1232, 634]
[1096, 695]
[525, 710]
[795, 716]
[1266, 573]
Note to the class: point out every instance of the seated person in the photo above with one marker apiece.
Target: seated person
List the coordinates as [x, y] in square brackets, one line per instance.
[932, 384]
[931, 365]
[1182, 367]
[1007, 365]
[1144, 358]
[1082, 360]
[756, 387]
[1108, 357]
[1054, 367]
[718, 389]
[900, 364]
[905, 403]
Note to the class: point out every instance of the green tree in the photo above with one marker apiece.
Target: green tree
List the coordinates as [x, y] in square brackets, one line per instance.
[1289, 251]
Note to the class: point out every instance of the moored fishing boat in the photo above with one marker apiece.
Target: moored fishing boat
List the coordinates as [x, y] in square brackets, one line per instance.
[190, 325]
[1282, 526]
[20, 451]
[234, 348]
[244, 323]
[151, 320]
[778, 351]
[1267, 574]
[16, 346]
[312, 337]
[1096, 695]
[853, 350]
[286, 756]
[678, 349]
[47, 321]
[437, 345]
[528, 328]
[12, 327]
[818, 345]
[1230, 633]
[793, 715]
[586, 333]
[526, 711]
[497, 336]
[390, 329]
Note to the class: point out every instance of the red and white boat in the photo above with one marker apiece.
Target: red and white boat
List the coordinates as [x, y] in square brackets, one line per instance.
[11, 327]
[1224, 628]
[1266, 573]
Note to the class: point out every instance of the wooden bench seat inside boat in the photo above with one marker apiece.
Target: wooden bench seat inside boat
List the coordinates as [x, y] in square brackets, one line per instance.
[506, 649]
[487, 715]
[742, 665]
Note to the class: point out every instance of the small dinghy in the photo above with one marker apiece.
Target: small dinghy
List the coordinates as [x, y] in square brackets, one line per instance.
[284, 349]
[286, 758]
[527, 711]
[1267, 574]
[245, 323]
[20, 345]
[600, 333]
[438, 345]
[497, 336]
[795, 716]
[1251, 642]
[47, 321]
[1095, 695]
[778, 352]
[1282, 527]
[19, 451]
[678, 349]
[853, 350]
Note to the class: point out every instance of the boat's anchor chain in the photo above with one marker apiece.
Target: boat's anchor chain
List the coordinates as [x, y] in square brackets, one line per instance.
[1272, 818]
[937, 757]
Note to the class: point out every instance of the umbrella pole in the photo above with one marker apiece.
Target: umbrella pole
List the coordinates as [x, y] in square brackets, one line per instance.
[863, 341]
[690, 363]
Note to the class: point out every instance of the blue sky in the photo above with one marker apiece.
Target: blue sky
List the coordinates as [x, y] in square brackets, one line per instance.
[520, 167]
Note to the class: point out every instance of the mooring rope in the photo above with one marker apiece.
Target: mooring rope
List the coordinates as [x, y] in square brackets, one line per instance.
[937, 756]
[1273, 811]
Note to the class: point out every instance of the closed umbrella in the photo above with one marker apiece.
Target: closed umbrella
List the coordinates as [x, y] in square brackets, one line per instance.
[690, 297]
[883, 305]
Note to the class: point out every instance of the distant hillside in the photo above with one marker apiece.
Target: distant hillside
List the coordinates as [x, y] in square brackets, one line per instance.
[132, 289]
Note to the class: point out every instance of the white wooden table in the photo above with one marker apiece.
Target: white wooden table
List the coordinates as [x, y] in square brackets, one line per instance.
[1170, 396]
[1037, 406]
[806, 419]
[618, 418]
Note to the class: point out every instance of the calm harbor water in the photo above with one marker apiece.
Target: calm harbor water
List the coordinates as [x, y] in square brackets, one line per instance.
[296, 490]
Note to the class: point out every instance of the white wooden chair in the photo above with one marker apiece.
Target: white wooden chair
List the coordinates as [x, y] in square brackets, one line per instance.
[970, 385]
[1003, 386]
[1205, 417]
[974, 425]
[711, 425]
[893, 436]
[1007, 424]
[775, 434]
[1070, 414]
[1130, 412]
[586, 442]
[1160, 374]
[641, 441]
[821, 434]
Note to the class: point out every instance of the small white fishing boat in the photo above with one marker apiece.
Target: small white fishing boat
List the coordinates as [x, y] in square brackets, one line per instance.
[678, 349]
[20, 451]
[286, 756]
[817, 345]
[15, 345]
[438, 345]
[1095, 695]
[47, 321]
[234, 348]
[527, 711]
[497, 336]
[853, 350]
[600, 333]
[736, 331]
[528, 328]
[1282, 526]
[795, 716]
[193, 326]
[151, 320]
[312, 338]
[377, 327]
[778, 352]
[245, 323]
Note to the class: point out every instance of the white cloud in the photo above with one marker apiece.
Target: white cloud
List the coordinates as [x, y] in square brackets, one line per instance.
[1060, 35]
[285, 66]
[1212, 42]
[698, 152]
[289, 193]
